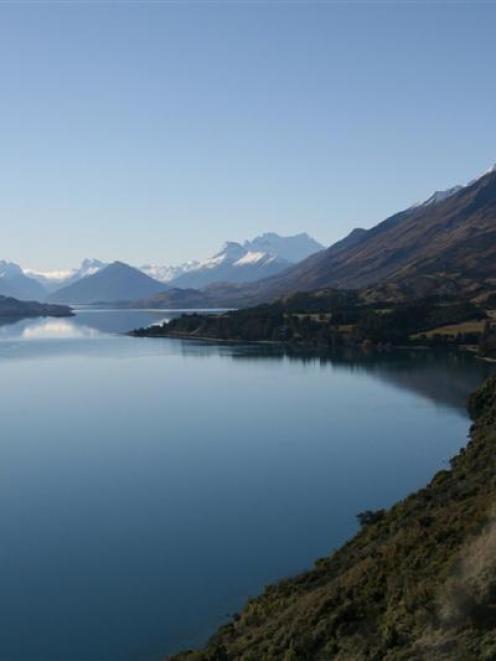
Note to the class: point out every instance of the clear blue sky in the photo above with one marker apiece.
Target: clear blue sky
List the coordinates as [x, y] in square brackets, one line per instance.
[152, 132]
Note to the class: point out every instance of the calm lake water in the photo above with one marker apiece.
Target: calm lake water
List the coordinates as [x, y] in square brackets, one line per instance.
[148, 487]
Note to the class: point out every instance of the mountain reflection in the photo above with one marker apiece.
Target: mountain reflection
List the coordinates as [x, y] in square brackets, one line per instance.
[443, 377]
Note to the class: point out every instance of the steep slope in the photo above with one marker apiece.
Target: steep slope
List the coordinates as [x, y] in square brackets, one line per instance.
[117, 282]
[13, 282]
[417, 582]
[450, 240]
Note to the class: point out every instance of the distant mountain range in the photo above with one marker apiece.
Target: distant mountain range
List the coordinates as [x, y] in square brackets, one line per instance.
[265, 255]
[232, 264]
[54, 280]
[444, 245]
[115, 283]
[14, 282]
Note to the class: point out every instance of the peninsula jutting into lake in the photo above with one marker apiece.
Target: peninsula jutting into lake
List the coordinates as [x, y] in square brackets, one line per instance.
[15, 309]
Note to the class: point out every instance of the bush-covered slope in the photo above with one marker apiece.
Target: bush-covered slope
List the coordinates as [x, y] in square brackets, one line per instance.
[417, 582]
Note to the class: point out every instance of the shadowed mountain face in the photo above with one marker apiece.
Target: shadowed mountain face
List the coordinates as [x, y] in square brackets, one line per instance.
[55, 280]
[448, 242]
[117, 282]
[13, 282]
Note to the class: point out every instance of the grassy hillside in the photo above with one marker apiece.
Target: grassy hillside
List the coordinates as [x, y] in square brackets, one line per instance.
[417, 582]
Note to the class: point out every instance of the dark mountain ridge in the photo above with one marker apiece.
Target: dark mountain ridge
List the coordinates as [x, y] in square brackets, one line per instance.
[116, 283]
[448, 242]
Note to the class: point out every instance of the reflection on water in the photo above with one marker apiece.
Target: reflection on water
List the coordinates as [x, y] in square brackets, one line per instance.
[87, 322]
[49, 329]
[443, 377]
[149, 486]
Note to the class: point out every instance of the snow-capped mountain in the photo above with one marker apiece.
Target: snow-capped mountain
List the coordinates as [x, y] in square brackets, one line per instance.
[291, 248]
[168, 273]
[53, 280]
[441, 195]
[116, 282]
[261, 257]
[239, 262]
[14, 282]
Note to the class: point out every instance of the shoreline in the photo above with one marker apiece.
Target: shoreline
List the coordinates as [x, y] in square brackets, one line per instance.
[330, 611]
[471, 349]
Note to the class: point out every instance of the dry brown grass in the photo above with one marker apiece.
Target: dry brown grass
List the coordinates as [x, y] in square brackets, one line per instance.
[476, 326]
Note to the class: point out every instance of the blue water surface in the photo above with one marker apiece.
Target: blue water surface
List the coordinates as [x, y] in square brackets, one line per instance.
[148, 487]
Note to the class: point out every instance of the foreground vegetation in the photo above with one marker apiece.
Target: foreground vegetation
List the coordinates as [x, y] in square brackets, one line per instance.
[417, 582]
[339, 318]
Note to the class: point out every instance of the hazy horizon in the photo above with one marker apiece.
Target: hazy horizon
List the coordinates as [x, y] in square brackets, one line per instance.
[154, 132]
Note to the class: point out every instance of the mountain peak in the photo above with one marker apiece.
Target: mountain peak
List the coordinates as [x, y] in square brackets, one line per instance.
[445, 244]
[8, 269]
[14, 282]
[117, 282]
[291, 248]
[249, 261]
[231, 249]
[118, 265]
[441, 195]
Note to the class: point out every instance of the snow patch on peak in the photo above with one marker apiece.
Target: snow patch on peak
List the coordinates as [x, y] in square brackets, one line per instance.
[441, 195]
[168, 273]
[52, 276]
[291, 248]
[53, 280]
[254, 258]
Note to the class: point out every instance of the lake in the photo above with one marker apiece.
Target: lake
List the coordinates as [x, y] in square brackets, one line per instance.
[148, 487]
